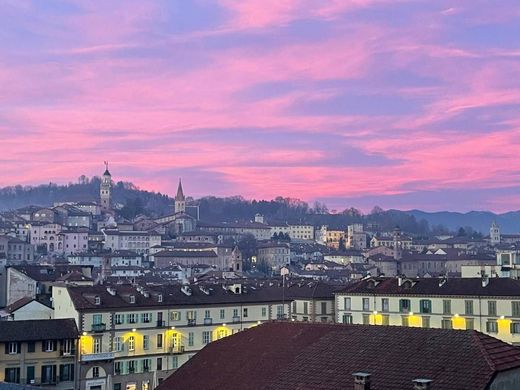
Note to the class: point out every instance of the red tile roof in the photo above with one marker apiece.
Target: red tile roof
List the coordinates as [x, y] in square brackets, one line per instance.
[285, 355]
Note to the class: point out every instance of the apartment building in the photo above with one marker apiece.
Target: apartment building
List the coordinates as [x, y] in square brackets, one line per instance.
[39, 352]
[137, 241]
[134, 337]
[489, 305]
[311, 301]
[273, 253]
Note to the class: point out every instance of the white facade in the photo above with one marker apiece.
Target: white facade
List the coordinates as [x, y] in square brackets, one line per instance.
[74, 241]
[47, 235]
[137, 241]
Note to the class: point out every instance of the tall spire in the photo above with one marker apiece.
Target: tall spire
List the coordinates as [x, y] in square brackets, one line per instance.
[107, 173]
[180, 193]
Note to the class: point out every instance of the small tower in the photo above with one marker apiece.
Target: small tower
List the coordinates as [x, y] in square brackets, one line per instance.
[105, 190]
[494, 234]
[180, 200]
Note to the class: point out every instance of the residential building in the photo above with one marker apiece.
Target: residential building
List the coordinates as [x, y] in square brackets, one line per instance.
[30, 309]
[46, 237]
[274, 254]
[39, 352]
[489, 305]
[356, 237]
[136, 336]
[285, 355]
[311, 301]
[137, 241]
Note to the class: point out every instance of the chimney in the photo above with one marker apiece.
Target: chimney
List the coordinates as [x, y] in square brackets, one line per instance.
[422, 384]
[361, 381]
[485, 281]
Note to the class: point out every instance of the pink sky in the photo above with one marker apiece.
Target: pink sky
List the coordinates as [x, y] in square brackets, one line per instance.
[405, 104]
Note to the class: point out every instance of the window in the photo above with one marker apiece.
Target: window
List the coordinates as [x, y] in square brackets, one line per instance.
[515, 327]
[470, 323]
[97, 300]
[132, 298]
[468, 304]
[13, 348]
[49, 374]
[446, 306]
[492, 308]
[235, 312]
[49, 346]
[222, 314]
[385, 305]
[30, 374]
[117, 386]
[175, 362]
[425, 306]
[366, 319]
[323, 307]
[12, 375]
[146, 364]
[31, 346]
[119, 319]
[515, 308]
[366, 304]
[131, 318]
[206, 337]
[347, 304]
[159, 364]
[67, 346]
[446, 323]
[207, 314]
[118, 344]
[245, 312]
[347, 318]
[294, 306]
[159, 340]
[66, 372]
[264, 312]
[175, 315]
[492, 326]
[130, 365]
[146, 342]
[96, 345]
[191, 337]
[305, 307]
[405, 321]
[146, 317]
[131, 343]
[425, 322]
[404, 306]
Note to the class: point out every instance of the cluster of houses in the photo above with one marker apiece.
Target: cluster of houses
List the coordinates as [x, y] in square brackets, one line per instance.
[91, 301]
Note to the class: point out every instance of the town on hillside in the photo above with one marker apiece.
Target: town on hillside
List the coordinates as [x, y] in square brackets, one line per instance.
[93, 300]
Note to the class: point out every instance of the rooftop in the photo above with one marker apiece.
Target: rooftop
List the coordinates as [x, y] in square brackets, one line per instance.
[34, 330]
[323, 356]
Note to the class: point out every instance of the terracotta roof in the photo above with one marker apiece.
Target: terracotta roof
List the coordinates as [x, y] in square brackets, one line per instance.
[187, 253]
[32, 330]
[24, 301]
[432, 286]
[283, 355]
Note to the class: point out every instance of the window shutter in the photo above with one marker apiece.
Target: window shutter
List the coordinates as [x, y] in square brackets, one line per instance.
[6, 348]
[43, 345]
[19, 348]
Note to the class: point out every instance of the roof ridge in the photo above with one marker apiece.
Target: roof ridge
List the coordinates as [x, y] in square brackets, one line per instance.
[485, 353]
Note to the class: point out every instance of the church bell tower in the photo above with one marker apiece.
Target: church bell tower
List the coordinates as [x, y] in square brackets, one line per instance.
[105, 190]
[180, 200]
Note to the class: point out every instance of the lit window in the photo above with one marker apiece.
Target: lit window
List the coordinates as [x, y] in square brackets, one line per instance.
[131, 343]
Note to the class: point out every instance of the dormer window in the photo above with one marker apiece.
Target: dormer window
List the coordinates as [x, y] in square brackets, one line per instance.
[132, 298]
[159, 298]
[97, 300]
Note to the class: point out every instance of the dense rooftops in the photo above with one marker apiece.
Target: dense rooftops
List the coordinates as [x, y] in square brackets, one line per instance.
[284, 355]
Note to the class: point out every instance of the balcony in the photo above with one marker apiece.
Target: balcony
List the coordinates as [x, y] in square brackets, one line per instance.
[70, 352]
[161, 324]
[99, 327]
[236, 319]
[208, 321]
[192, 322]
[92, 357]
[174, 349]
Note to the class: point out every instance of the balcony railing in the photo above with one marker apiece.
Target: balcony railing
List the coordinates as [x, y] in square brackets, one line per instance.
[99, 327]
[70, 352]
[90, 357]
[161, 324]
[208, 321]
[176, 349]
[192, 322]
[236, 319]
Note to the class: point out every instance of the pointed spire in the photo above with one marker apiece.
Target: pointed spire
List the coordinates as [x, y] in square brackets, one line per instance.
[180, 193]
[107, 173]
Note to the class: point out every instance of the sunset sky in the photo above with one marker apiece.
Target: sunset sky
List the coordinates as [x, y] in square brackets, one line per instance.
[402, 104]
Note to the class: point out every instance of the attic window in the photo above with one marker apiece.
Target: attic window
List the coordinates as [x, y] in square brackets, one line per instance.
[407, 284]
[159, 298]
[132, 298]
[97, 300]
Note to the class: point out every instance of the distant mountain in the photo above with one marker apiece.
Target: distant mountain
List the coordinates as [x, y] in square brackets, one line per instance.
[479, 220]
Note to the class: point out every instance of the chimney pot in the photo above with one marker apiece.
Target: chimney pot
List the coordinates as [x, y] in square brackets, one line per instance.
[422, 384]
[361, 381]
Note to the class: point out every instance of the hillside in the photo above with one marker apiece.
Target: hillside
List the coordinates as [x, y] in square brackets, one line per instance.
[213, 209]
